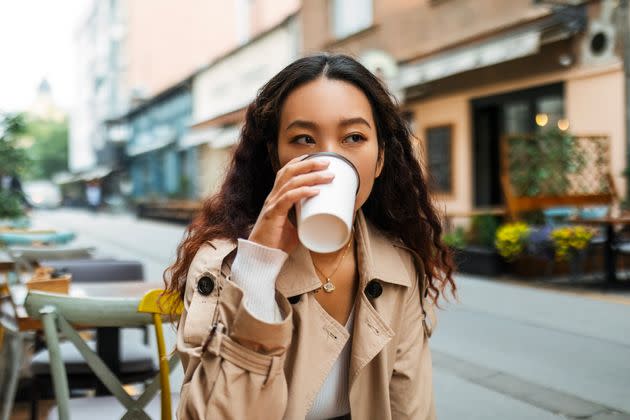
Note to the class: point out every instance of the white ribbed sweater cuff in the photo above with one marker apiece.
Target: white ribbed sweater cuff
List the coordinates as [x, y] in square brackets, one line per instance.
[255, 270]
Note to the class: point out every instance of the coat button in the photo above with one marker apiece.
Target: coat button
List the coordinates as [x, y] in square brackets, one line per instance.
[205, 285]
[373, 289]
[294, 299]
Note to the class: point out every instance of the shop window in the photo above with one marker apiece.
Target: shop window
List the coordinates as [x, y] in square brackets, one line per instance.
[350, 16]
[439, 142]
[550, 112]
[517, 117]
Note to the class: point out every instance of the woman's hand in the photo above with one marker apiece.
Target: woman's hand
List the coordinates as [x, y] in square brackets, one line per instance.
[295, 181]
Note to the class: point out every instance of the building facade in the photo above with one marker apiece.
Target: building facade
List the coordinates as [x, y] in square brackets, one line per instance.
[130, 51]
[156, 167]
[136, 92]
[222, 91]
[468, 72]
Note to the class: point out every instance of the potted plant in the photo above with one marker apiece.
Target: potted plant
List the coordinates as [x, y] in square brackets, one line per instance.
[474, 250]
[570, 243]
[511, 240]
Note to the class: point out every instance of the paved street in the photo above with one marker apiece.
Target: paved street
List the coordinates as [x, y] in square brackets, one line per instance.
[503, 352]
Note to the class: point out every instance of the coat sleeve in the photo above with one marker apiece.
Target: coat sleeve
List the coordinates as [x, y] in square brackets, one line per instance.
[233, 361]
[411, 385]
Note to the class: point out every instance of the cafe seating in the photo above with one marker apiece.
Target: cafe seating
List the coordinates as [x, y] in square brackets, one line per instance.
[26, 257]
[136, 361]
[60, 315]
[10, 353]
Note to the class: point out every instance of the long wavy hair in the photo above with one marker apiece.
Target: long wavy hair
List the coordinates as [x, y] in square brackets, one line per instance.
[399, 204]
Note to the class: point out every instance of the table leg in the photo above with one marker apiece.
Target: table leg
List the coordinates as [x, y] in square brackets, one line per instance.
[108, 349]
[610, 254]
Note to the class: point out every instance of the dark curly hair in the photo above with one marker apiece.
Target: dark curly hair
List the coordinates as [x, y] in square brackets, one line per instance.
[399, 204]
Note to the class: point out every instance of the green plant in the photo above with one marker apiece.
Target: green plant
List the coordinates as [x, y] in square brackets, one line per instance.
[483, 230]
[455, 239]
[511, 239]
[569, 239]
[10, 206]
[48, 147]
[13, 159]
[545, 164]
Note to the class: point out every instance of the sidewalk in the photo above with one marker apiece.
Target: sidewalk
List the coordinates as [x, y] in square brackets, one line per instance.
[564, 353]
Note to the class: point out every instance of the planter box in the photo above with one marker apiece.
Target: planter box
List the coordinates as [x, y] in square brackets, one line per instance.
[477, 260]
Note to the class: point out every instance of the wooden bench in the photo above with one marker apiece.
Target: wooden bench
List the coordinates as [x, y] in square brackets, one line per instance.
[181, 211]
[594, 172]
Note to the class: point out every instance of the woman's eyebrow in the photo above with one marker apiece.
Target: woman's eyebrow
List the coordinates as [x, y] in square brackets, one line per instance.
[353, 121]
[302, 124]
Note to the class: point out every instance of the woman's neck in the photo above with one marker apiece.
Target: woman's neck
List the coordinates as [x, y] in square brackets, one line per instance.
[331, 259]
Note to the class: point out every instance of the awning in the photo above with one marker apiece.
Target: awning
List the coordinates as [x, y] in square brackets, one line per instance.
[62, 178]
[134, 149]
[518, 43]
[160, 136]
[226, 138]
[97, 172]
[470, 57]
[198, 136]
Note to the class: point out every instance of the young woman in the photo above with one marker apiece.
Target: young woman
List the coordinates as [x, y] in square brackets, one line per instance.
[260, 337]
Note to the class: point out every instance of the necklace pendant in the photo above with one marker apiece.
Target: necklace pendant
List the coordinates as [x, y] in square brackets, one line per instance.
[328, 286]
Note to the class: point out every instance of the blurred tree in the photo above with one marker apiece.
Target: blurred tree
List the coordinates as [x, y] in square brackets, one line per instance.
[13, 159]
[13, 162]
[46, 143]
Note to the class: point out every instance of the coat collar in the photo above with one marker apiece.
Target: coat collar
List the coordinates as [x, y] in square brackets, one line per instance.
[378, 258]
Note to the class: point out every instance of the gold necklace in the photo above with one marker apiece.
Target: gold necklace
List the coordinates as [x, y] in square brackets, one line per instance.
[329, 286]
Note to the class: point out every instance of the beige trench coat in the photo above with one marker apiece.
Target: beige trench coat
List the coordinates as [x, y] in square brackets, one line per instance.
[238, 367]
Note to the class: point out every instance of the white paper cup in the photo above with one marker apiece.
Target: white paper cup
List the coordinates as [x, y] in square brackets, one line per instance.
[325, 220]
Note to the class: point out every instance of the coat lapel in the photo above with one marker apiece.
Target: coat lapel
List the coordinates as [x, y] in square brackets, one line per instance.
[380, 261]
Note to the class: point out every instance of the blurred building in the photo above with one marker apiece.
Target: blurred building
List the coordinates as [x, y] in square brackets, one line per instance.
[138, 58]
[223, 89]
[130, 51]
[155, 165]
[44, 106]
[470, 71]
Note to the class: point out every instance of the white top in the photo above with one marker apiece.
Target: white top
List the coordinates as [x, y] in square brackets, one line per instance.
[255, 270]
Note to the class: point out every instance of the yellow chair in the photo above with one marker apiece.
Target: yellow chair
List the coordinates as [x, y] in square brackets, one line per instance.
[160, 304]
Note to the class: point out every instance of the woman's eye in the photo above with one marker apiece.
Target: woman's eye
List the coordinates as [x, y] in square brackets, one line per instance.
[303, 140]
[355, 138]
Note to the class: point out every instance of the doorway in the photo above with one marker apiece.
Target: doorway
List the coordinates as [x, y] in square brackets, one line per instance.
[518, 112]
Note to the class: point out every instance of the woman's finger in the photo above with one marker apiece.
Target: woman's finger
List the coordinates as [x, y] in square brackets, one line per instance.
[292, 169]
[289, 198]
[308, 179]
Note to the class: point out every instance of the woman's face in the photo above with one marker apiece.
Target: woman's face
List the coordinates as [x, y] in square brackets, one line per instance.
[327, 115]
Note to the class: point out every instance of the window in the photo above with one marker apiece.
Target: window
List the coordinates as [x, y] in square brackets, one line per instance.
[550, 111]
[350, 16]
[439, 158]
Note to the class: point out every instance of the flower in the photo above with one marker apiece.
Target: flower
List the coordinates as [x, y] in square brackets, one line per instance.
[569, 239]
[511, 239]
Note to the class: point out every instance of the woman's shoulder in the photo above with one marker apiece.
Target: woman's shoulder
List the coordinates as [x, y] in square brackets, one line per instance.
[210, 256]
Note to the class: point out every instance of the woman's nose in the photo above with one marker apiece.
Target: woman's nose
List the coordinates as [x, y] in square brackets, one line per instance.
[329, 146]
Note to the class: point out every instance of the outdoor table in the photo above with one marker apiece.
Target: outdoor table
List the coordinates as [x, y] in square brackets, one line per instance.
[610, 245]
[107, 338]
[28, 237]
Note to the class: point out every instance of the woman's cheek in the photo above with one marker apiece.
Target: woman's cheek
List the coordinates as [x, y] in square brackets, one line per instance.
[364, 192]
